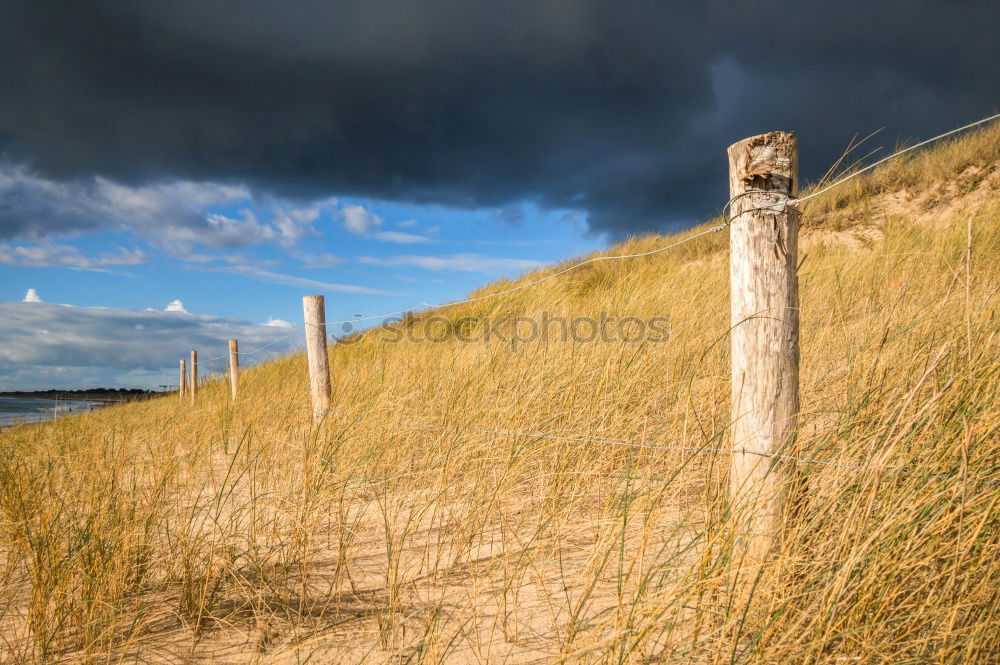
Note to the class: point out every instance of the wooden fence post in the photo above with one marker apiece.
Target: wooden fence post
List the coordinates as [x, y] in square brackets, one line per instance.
[314, 308]
[194, 376]
[765, 333]
[234, 367]
[183, 381]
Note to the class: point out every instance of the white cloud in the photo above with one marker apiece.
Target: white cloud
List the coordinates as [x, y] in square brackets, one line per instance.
[359, 220]
[295, 223]
[231, 259]
[292, 280]
[175, 306]
[277, 323]
[363, 222]
[312, 261]
[31, 296]
[399, 237]
[52, 254]
[93, 346]
[461, 262]
[226, 231]
[174, 216]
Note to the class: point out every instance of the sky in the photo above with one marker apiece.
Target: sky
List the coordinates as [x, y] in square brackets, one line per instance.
[173, 174]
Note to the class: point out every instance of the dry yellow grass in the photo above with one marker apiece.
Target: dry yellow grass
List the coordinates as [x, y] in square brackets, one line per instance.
[158, 532]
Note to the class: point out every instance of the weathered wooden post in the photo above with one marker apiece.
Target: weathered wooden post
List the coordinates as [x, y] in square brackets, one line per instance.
[194, 376]
[314, 308]
[763, 174]
[183, 381]
[234, 367]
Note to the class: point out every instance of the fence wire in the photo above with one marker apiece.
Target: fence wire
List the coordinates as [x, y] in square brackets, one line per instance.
[778, 206]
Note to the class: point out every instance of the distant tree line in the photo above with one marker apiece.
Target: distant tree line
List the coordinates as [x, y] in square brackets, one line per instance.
[117, 394]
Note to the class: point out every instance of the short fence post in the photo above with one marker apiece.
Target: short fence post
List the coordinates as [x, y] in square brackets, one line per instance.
[194, 376]
[314, 308]
[763, 174]
[183, 381]
[234, 367]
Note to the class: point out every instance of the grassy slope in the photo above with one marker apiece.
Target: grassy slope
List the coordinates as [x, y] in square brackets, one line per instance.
[165, 532]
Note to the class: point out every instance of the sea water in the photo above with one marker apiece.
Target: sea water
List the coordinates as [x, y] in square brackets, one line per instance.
[34, 409]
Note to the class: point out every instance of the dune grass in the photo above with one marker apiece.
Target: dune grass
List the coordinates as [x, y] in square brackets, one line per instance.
[447, 511]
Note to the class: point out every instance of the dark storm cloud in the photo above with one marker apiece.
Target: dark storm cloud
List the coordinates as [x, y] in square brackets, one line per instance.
[621, 108]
